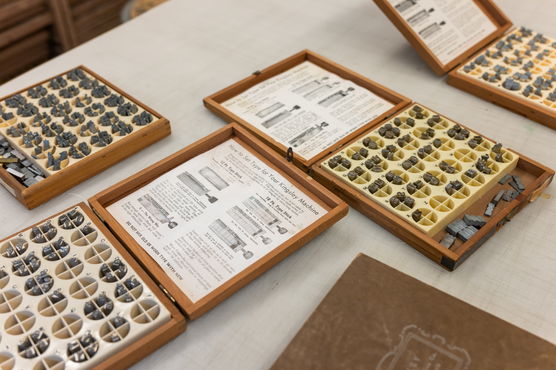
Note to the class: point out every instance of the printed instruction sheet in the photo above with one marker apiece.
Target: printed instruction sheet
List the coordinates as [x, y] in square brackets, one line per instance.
[216, 214]
[447, 27]
[307, 108]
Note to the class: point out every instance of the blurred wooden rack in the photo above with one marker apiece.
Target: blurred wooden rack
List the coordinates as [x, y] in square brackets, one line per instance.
[33, 31]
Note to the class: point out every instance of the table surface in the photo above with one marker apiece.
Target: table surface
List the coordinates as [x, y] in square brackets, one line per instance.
[182, 51]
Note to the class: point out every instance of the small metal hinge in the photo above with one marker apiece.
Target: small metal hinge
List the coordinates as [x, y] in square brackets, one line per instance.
[167, 294]
[98, 215]
[289, 154]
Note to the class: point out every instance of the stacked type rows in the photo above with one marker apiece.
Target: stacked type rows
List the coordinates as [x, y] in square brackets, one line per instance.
[523, 64]
[66, 119]
[422, 167]
[67, 297]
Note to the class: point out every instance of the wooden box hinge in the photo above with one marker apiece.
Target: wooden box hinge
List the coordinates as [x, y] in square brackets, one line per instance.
[167, 294]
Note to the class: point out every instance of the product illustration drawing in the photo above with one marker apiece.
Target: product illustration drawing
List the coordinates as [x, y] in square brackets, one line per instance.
[68, 298]
[431, 29]
[307, 134]
[405, 5]
[321, 90]
[263, 213]
[215, 179]
[247, 223]
[311, 86]
[280, 117]
[230, 238]
[419, 17]
[157, 211]
[196, 186]
[273, 108]
[328, 101]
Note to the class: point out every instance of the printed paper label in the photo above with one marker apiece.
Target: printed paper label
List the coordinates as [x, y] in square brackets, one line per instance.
[213, 216]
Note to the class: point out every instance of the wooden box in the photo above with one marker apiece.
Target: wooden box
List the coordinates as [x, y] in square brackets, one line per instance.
[465, 71]
[54, 355]
[534, 176]
[100, 229]
[214, 102]
[425, 238]
[99, 158]
[335, 210]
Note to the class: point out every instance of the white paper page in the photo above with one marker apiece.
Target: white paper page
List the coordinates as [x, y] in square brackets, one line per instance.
[447, 27]
[307, 108]
[211, 217]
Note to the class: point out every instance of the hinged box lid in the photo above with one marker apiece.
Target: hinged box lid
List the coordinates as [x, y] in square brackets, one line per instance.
[169, 271]
[446, 33]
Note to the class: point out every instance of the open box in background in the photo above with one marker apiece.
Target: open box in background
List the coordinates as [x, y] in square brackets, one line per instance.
[482, 15]
[101, 228]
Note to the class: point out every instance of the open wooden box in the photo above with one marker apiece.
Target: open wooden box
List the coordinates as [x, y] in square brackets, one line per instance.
[534, 176]
[135, 350]
[336, 209]
[160, 283]
[92, 164]
[495, 93]
[214, 102]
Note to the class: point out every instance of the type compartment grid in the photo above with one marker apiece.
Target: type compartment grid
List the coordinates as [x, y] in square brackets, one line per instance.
[522, 64]
[72, 116]
[83, 303]
[422, 167]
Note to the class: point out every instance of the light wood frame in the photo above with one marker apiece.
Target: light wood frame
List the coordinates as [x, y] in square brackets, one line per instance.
[335, 206]
[91, 165]
[214, 101]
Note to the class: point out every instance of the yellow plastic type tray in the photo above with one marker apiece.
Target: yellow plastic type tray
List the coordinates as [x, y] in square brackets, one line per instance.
[76, 114]
[415, 146]
[523, 64]
[68, 299]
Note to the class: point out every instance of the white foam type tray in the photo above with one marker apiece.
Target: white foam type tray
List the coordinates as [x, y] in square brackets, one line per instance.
[433, 167]
[70, 117]
[523, 64]
[67, 297]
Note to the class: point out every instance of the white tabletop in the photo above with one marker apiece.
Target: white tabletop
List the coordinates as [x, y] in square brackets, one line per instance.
[182, 51]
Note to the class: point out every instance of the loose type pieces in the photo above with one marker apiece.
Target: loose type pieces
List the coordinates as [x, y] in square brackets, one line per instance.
[18, 165]
[56, 124]
[523, 64]
[422, 167]
[68, 299]
[465, 228]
